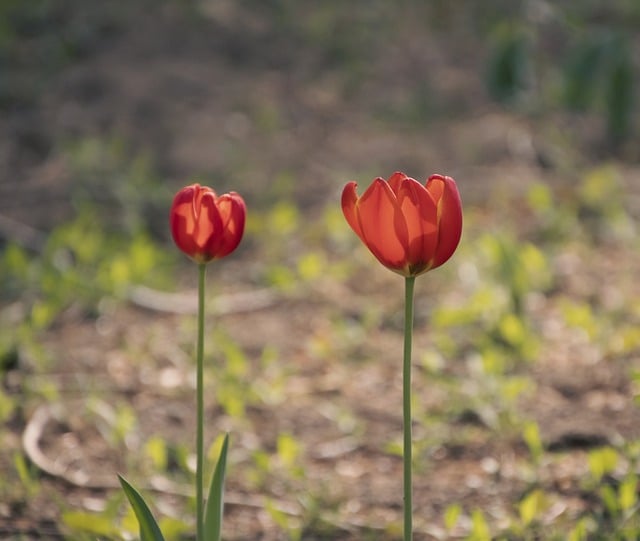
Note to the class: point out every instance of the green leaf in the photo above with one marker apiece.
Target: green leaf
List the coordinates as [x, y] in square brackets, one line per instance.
[156, 449]
[540, 198]
[602, 461]
[276, 515]
[215, 501]
[451, 515]
[22, 469]
[581, 530]
[509, 65]
[311, 266]
[627, 493]
[149, 529]
[531, 436]
[610, 500]
[288, 449]
[479, 527]
[531, 506]
[90, 523]
[581, 73]
[619, 92]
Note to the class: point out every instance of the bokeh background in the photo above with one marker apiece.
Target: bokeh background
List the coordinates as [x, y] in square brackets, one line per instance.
[527, 342]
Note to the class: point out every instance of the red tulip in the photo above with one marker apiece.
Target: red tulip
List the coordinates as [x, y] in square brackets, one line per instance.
[205, 226]
[409, 228]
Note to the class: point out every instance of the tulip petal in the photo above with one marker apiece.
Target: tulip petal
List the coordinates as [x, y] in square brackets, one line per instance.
[182, 221]
[349, 204]
[421, 216]
[208, 232]
[447, 197]
[383, 227]
[232, 213]
[396, 180]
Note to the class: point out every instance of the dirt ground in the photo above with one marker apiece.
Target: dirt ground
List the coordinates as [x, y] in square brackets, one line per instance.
[213, 95]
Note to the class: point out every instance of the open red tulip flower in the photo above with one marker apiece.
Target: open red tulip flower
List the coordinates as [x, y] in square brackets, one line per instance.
[409, 227]
[206, 226]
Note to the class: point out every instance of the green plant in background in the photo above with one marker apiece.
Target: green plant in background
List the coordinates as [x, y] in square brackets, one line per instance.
[530, 509]
[479, 527]
[600, 206]
[520, 266]
[592, 210]
[493, 320]
[595, 69]
[599, 75]
[509, 72]
[106, 175]
[555, 220]
[531, 437]
[614, 481]
[79, 267]
[103, 251]
[74, 251]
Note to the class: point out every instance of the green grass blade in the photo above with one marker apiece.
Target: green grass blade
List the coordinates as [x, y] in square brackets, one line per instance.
[149, 529]
[215, 501]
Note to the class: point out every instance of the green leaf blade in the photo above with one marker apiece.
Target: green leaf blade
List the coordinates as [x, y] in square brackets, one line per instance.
[149, 529]
[215, 501]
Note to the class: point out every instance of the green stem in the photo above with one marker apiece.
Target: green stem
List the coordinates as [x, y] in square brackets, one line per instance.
[200, 405]
[406, 407]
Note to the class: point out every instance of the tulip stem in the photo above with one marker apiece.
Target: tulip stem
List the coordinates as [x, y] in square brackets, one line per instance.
[200, 405]
[406, 407]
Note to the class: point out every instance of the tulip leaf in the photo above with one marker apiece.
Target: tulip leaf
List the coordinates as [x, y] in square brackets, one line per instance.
[215, 501]
[149, 529]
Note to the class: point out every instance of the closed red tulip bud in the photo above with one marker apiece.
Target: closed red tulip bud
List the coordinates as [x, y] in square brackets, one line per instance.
[206, 226]
[409, 227]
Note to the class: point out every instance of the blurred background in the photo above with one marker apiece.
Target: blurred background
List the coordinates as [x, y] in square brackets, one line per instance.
[252, 92]
[528, 341]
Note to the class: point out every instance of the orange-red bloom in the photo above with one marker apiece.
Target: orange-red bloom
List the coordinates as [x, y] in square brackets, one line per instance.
[205, 226]
[409, 227]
